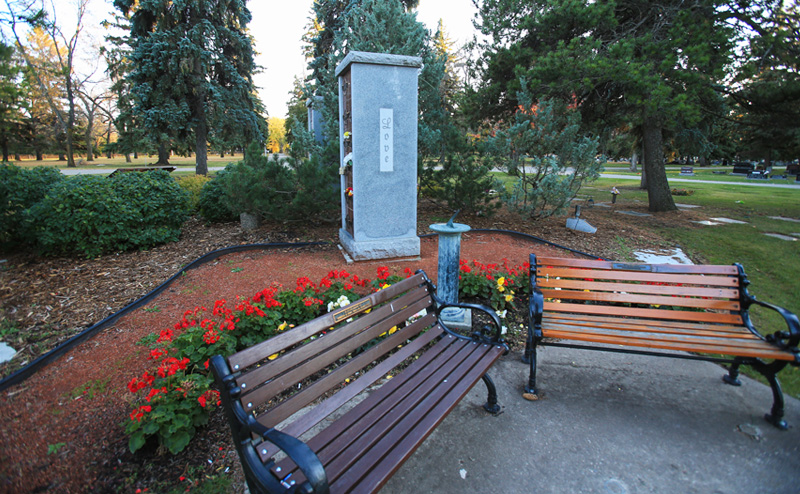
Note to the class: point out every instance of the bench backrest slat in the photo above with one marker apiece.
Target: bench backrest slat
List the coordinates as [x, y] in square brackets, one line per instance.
[659, 268]
[702, 303]
[298, 369]
[662, 292]
[644, 276]
[687, 291]
[337, 377]
[256, 353]
[418, 298]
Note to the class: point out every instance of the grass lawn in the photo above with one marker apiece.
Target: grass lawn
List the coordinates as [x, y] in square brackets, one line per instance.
[119, 161]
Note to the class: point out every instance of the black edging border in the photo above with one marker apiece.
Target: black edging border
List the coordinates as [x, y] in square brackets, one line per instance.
[42, 361]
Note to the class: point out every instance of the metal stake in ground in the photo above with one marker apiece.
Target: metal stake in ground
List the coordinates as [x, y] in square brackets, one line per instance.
[447, 277]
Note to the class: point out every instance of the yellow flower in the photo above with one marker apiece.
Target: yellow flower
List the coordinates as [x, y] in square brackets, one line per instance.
[273, 356]
[501, 288]
[501, 281]
[393, 330]
[283, 326]
[509, 298]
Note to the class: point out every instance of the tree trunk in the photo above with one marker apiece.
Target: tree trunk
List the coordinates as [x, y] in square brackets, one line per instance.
[88, 137]
[201, 151]
[61, 157]
[658, 192]
[17, 157]
[634, 161]
[163, 154]
[127, 158]
[5, 151]
[39, 156]
[135, 155]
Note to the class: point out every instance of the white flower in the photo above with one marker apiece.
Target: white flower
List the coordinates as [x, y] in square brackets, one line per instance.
[343, 300]
[331, 306]
[501, 313]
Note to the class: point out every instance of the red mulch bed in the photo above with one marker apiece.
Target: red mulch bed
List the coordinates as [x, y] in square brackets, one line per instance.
[62, 428]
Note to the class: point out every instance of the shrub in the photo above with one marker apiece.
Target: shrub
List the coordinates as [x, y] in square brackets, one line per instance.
[21, 188]
[682, 192]
[543, 147]
[286, 189]
[463, 182]
[193, 184]
[93, 215]
[212, 202]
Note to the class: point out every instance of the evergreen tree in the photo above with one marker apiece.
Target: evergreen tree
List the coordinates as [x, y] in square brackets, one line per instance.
[380, 27]
[11, 100]
[191, 72]
[651, 63]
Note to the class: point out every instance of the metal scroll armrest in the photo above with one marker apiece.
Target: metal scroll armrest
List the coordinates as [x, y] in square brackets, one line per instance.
[305, 459]
[535, 311]
[496, 339]
[785, 339]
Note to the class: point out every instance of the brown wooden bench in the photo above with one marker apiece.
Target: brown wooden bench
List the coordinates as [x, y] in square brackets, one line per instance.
[646, 308]
[283, 410]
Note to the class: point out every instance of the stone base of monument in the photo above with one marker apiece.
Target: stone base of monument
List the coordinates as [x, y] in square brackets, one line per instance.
[457, 318]
[379, 248]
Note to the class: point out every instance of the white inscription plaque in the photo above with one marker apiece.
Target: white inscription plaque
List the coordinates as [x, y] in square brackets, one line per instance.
[387, 140]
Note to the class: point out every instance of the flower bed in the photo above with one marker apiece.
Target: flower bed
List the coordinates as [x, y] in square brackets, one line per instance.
[176, 397]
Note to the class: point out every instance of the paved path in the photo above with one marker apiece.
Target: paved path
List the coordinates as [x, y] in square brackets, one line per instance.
[107, 171]
[609, 423]
[747, 184]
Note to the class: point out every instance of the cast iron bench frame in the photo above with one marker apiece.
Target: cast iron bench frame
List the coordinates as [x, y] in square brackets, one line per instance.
[574, 302]
[320, 369]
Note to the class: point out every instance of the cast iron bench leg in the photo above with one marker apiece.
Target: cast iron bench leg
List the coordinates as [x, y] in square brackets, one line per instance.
[530, 358]
[732, 377]
[491, 405]
[770, 372]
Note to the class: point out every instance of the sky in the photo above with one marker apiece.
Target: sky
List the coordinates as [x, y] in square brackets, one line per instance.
[277, 27]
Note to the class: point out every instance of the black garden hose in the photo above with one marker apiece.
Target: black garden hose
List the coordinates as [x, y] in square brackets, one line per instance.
[49, 357]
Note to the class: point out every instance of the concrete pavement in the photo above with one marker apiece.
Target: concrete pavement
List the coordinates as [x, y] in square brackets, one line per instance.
[610, 423]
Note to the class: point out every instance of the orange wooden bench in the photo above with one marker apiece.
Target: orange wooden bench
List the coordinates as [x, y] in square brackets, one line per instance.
[647, 308]
[283, 396]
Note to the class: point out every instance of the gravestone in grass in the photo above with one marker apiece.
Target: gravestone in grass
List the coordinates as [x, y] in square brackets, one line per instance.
[378, 153]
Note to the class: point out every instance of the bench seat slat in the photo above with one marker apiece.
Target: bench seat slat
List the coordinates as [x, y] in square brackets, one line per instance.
[740, 333]
[402, 450]
[660, 268]
[596, 274]
[258, 352]
[614, 321]
[684, 291]
[715, 317]
[762, 350]
[642, 299]
[323, 385]
[330, 405]
[414, 414]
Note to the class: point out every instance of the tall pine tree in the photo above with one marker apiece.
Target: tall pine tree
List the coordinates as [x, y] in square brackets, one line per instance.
[191, 72]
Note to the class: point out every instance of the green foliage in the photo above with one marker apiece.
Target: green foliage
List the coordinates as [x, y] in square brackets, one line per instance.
[544, 148]
[20, 189]
[92, 215]
[500, 286]
[194, 185]
[286, 189]
[464, 182]
[190, 74]
[211, 203]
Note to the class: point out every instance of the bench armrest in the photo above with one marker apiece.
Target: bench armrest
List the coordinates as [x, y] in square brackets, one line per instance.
[301, 455]
[535, 311]
[497, 339]
[788, 340]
